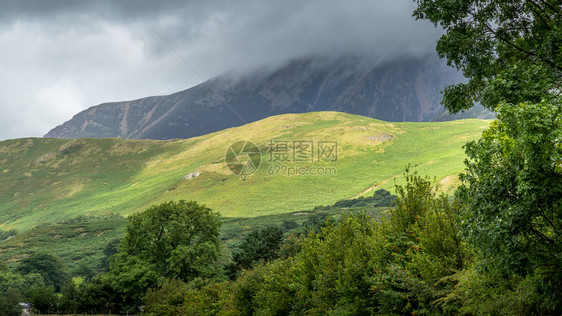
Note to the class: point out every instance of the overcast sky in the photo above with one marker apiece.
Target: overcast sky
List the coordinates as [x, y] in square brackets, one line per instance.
[60, 57]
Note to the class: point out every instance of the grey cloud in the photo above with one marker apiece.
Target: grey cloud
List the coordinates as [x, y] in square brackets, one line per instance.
[59, 57]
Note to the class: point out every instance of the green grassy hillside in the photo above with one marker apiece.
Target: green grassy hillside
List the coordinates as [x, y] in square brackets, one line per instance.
[51, 180]
[79, 240]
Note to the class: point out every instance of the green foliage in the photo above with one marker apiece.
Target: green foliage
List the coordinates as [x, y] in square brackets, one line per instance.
[290, 246]
[261, 244]
[5, 234]
[408, 262]
[96, 297]
[509, 50]
[84, 271]
[48, 266]
[76, 241]
[178, 239]
[69, 301]
[167, 299]
[12, 288]
[268, 289]
[513, 192]
[489, 293]
[110, 249]
[333, 264]
[9, 303]
[414, 198]
[71, 149]
[318, 221]
[328, 275]
[175, 297]
[381, 198]
[247, 287]
[91, 240]
[19, 282]
[129, 279]
[42, 298]
[120, 291]
[426, 251]
[169, 240]
[289, 225]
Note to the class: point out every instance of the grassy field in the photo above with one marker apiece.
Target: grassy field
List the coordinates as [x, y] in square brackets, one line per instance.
[51, 180]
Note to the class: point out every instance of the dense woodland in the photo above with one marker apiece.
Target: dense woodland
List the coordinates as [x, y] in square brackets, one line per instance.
[494, 247]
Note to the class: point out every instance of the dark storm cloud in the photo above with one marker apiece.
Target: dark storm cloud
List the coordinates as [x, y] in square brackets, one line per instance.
[117, 9]
[59, 57]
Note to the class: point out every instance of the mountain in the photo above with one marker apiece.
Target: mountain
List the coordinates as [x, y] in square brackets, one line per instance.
[406, 89]
[306, 160]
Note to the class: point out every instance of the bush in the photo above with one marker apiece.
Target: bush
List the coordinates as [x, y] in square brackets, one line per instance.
[5, 234]
[175, 297]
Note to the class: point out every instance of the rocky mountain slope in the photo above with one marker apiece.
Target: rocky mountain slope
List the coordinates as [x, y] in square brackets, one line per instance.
[406, 89]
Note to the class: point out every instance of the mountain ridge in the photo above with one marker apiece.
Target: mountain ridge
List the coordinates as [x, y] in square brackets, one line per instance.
[406, 89]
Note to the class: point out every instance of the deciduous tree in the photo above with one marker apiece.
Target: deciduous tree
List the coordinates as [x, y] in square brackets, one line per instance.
[509, 50]
[179, 239]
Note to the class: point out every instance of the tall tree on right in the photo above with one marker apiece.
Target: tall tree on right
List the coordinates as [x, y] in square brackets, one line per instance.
[512, 189]
[510, 51]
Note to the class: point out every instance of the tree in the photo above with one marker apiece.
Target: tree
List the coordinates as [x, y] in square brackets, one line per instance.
[414, 198]
[179, 239]
[512, 191]
[48, 266]
[94, 297]
[407, 261]
[172, 240]
[9, 303]
[110, 249]
[19, 282]
[85, 271]
[260, 244]
[42, 298]
[509, 50]
[129, 279]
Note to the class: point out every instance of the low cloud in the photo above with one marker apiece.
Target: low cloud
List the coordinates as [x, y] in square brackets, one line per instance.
[60, 57]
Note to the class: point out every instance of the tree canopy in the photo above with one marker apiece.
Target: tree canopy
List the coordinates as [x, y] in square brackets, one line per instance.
[48, 266]
[180, 239]
[513, 189]
[259, 244]
[509, 50]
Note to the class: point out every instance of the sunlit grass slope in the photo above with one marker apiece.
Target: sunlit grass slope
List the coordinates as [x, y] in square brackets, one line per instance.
[49, 180]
